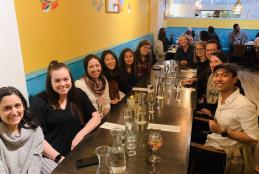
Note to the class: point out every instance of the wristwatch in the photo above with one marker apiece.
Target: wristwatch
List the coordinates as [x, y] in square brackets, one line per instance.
[224, 133]
[58, 158]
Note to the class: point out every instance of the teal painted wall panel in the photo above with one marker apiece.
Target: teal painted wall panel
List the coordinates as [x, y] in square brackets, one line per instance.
[36, 81]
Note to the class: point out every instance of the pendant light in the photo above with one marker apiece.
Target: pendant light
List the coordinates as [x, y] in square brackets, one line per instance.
[238, 7]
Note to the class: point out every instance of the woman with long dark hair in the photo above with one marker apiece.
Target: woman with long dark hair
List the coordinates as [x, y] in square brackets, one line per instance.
[128, 70]
[94, 83]
[143, 56]
[111, 71]
[21, 139]
[65, 114]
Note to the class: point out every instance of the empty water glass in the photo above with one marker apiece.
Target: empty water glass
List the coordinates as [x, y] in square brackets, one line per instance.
[103, 156]
[128, 119]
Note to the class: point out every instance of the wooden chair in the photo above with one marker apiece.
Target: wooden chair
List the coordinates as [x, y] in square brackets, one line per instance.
[206, 160]
[239, 55]
[257, 54]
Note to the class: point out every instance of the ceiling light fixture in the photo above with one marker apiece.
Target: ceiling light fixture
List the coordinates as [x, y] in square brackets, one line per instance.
[238, 7]
[198, 4]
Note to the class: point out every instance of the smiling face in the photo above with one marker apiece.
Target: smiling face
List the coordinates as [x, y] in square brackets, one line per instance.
[145, 50]
[214, 61]
[211, 48]
[200, 52]
[110, 61]
[128, 58]
[11, 111]
[224, 80]
[183, 41]
[61, 81]
[94, 68]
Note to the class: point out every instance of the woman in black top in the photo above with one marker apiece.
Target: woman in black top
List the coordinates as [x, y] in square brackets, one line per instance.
[111, 70]
[184, 52]
[128, 70]
[64, 112]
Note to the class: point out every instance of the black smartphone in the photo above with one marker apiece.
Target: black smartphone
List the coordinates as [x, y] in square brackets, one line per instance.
[86, 161]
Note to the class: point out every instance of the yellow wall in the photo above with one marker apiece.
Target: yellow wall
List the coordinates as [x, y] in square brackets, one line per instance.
[204, 23]
[74, 29]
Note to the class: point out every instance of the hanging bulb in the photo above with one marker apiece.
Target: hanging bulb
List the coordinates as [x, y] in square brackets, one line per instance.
[238, 7]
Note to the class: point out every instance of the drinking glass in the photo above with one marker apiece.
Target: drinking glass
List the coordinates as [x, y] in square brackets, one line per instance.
[100, 105]
[155, 142]
[103, 156]
[131, 103]
[128, 119]
[151, 98]
[150, 89]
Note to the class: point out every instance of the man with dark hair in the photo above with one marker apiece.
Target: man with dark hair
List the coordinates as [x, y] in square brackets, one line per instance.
[237, 36]
[235, 127]
[211, 47]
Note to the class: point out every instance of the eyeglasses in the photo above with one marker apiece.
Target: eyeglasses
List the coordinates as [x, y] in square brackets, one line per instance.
[211, 50]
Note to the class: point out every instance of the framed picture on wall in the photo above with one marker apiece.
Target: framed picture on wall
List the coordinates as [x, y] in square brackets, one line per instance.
[112, 6]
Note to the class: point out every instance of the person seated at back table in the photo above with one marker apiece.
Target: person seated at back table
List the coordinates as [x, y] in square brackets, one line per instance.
[190, 34]
[204, 36]
[162, 45]
[213, 34]
[128, 70]
[65, 114]
[235, 127]
[94, 83]
[111, 71]
[237, 36]
[21, 139]
[143, 57]
[184, 52]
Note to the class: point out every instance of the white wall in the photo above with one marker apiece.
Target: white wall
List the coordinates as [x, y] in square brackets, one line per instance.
[156, 16]
[11, 64]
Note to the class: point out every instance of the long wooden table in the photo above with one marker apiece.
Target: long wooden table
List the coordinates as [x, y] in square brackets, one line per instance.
[174, 151]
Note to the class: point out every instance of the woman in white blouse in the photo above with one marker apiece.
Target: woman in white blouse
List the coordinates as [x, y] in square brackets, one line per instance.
[94, 84]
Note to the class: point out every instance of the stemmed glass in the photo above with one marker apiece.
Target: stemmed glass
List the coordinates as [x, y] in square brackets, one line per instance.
[128, 119]
[155, 142]
[100, 105]
[151, 98]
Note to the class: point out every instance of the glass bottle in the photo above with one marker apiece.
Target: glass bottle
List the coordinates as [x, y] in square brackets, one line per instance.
[160, 89]
[103, 153]
[141, 111]
[117, 154]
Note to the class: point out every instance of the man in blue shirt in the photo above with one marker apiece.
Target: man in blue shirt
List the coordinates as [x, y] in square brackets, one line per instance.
[237, 36]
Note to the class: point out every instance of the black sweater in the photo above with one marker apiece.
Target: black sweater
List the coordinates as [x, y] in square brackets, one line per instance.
[60, 126]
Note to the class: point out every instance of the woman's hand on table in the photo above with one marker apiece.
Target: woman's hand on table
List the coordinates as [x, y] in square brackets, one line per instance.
[184, 62]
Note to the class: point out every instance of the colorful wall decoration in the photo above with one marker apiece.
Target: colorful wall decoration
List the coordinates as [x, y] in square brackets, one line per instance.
[98, 4]
[47, 5]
